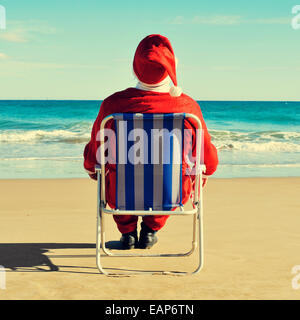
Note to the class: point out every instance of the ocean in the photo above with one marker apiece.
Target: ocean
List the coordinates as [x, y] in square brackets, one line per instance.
[45, 139]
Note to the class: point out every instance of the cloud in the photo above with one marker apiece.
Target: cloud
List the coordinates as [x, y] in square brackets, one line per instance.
[3, 56]
[12, 64]
[272, 21]
[247, 69]
[24, 31]
[177, 20]
[225, 20]
[226, 68]
[217, 20]
[209, 20]
[14, 36]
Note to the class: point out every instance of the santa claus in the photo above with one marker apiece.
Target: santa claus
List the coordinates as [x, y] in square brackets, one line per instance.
[154, 65]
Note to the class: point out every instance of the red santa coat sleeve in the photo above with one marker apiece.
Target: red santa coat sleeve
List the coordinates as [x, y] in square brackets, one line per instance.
[210, 152]
[90, 150]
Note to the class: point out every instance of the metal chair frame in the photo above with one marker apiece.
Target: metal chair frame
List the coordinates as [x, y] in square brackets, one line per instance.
[197, 211]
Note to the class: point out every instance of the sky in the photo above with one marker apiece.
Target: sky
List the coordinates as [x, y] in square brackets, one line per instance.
[83, 49]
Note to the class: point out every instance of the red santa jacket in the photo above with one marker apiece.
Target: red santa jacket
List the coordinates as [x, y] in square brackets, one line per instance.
[133, 100]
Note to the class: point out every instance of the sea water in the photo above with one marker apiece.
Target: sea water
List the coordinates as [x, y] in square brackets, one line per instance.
[46, 139]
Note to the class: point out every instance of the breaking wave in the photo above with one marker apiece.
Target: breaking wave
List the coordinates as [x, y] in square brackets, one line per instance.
[34, 136]
[264, 141]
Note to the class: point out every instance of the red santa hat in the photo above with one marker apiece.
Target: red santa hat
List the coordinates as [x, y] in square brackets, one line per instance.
[154, 60]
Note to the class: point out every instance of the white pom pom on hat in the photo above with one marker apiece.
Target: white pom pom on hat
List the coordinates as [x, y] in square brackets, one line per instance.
[175, 91]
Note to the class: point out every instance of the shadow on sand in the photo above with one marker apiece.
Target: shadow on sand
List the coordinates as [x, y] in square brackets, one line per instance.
[36, 256]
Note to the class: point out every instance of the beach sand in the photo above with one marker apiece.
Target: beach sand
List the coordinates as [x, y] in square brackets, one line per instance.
[251, 233]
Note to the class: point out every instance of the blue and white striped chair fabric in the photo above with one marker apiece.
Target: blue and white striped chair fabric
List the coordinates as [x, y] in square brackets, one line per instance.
[151, 179]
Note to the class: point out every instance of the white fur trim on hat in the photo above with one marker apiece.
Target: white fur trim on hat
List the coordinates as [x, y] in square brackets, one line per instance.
[175, 91]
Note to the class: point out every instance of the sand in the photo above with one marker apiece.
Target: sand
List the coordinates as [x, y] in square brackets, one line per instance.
[251, 233]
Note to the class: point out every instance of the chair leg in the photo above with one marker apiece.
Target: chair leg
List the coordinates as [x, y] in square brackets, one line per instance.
[98, 243]
[200, 239]
[99, 224]
[103, 246]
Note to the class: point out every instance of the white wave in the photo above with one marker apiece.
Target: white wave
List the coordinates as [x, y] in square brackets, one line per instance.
[20, 136]
[272, 146]
[264, 141]
[43, 158]
[254, 136]
[265, 165]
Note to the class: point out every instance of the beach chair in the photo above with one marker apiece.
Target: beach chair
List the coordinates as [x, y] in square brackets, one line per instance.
[152, 187]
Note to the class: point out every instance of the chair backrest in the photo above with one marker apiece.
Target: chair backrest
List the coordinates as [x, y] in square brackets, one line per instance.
[149, 150]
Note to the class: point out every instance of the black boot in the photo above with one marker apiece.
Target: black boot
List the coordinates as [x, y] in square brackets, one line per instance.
[147, 237]
[129, 240]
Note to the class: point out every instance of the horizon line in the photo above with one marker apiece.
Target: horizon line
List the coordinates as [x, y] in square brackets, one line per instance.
[206, 100]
